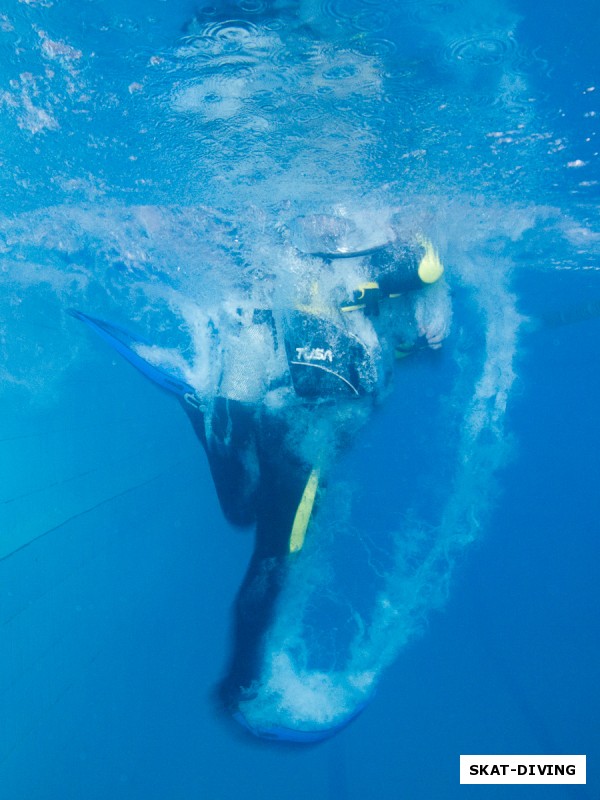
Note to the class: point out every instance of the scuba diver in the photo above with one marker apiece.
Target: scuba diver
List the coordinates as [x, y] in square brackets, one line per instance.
[293, 385]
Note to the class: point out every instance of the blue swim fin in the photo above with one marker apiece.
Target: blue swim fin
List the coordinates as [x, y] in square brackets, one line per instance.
[282, 733]
[124, 343]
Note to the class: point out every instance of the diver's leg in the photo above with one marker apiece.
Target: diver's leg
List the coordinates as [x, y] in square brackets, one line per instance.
[283, 481]
[228, 440]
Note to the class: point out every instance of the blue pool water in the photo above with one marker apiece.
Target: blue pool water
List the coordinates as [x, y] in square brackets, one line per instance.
[155, 156]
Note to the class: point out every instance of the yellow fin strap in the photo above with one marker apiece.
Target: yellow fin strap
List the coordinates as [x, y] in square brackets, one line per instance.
[430, 268]
[304, 511]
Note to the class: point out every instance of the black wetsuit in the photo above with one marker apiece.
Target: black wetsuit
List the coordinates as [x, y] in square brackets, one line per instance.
[258, 481]
[259, 478]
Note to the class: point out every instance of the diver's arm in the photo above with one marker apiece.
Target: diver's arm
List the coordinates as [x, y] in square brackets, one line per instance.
[433, 313]
[418, 276]
[397, 271]
[415, 265]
